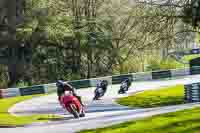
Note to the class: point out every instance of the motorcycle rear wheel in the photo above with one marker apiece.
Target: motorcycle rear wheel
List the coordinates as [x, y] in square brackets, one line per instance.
[121, 91]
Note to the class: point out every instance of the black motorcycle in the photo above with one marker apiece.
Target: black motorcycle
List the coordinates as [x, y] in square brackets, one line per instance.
[99, 92]
[123, 88]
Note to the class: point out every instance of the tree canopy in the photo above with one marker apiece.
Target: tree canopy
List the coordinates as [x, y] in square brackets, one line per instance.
[72, 39]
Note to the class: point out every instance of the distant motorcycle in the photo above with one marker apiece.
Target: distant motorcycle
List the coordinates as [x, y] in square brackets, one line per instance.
[100, 89]
[123, 88]
[72, 105]
[99, 92]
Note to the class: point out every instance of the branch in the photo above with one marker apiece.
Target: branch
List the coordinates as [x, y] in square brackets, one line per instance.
[167, 4]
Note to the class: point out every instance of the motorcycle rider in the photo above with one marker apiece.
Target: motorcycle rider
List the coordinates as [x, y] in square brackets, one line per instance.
[103, 84]
[63, 86]
[127, 81]
[100, 89]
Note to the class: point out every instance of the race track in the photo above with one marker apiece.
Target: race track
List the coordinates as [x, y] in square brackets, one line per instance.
[98, 114]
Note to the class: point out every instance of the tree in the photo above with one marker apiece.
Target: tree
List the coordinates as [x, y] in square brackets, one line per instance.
[88, 38]
[10, 19]
[192, 11]
[89, 34]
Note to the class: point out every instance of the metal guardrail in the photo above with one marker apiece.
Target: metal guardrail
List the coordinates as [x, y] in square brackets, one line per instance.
[195, 70]
[39, 89]
[86, 83]
[161, 74]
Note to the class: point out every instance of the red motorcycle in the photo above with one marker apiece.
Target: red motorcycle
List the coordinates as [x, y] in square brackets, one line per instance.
[72, 105]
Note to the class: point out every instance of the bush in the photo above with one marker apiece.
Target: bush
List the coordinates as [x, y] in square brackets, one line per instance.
[169, 64]
[163, 65]
[153, 65]
[22, 84]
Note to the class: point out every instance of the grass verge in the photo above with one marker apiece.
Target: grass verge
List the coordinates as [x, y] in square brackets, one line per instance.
[155, 98]
[190, 57]
[187, 121]
[6, 119]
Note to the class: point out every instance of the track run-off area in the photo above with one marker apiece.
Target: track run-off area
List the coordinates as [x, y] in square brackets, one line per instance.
[99, 113]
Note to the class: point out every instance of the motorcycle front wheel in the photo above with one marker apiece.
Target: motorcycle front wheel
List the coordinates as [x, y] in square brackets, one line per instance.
[82, 113]
[74, 111]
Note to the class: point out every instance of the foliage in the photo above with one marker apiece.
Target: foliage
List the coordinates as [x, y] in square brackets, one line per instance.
[163, 64]
[3, 77]
[198, 38]
[22, 84]
[170, 64]
[153, 65]
[192, 13]
[131, 65]
[73, 39]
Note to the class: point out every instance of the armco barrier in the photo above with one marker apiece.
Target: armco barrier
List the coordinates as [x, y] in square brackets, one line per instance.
[80, 83]
[94, 81]
[49, 88]
[142, 76]
[161, 74]
[10, 92]
[180, 72]
[39, 89]
[118, 79]
[194, 70]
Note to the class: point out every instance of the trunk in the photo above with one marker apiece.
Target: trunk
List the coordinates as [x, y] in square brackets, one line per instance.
[12, 67]
[121, 68]
[88, 67]
[90, 62]
[11, 18]
[15, 67]
[27, 60]
[76, 57]
[19, 65]
[12, 75]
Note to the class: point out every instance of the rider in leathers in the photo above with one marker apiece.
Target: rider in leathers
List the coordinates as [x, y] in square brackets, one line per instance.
[63, 86]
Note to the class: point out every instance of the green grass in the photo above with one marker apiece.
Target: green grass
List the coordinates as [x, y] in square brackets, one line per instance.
[190, 57]
[154, 98]
[7, 119]
[185, 59]
[187, 121]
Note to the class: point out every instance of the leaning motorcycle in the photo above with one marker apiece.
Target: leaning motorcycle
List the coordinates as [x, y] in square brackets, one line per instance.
[123, 88]
[72, 105]
[99, 92]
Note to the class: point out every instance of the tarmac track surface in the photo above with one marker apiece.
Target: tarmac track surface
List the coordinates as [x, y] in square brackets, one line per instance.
[99, 113]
